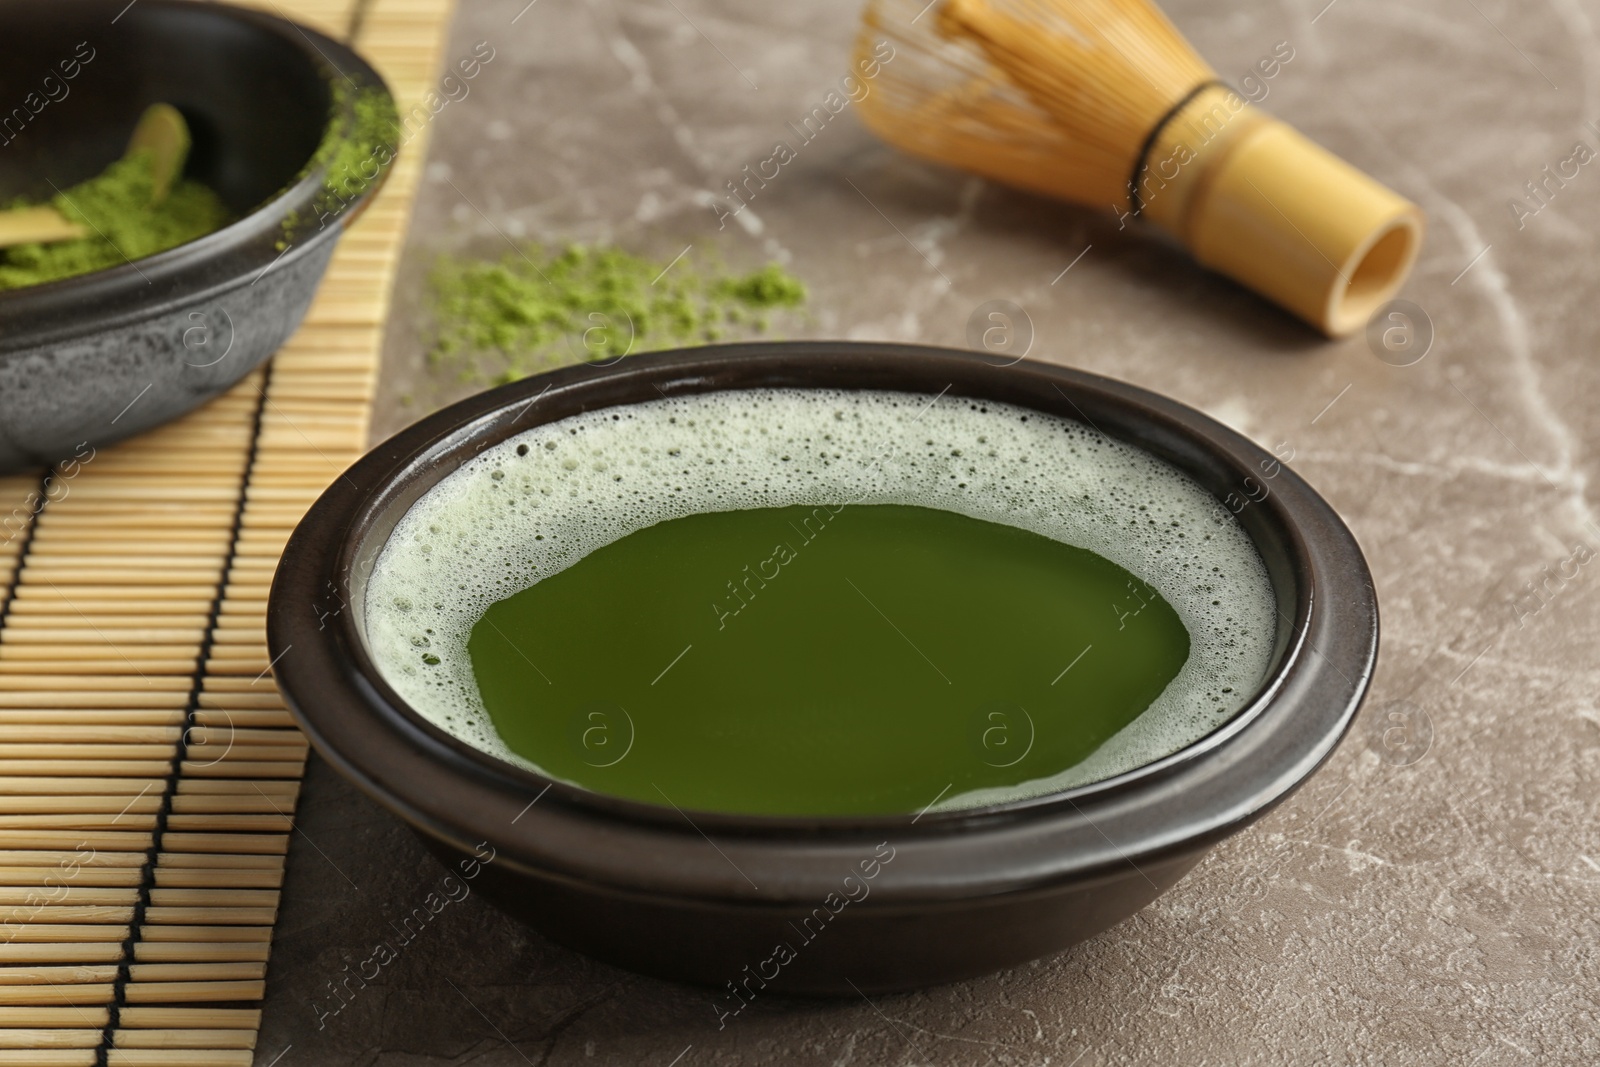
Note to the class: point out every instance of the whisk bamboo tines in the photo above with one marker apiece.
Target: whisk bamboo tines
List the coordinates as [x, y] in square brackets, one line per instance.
[1103, 102]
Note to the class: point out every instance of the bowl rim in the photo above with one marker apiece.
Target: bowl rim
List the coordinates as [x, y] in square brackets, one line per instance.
[52, 312]
[1180, 803]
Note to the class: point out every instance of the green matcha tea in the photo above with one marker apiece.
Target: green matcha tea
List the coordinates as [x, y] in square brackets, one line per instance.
[828, 660]
[123, 224]
[670, 602]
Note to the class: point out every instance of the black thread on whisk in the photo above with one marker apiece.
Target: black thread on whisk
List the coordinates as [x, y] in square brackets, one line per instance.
[1141, 161]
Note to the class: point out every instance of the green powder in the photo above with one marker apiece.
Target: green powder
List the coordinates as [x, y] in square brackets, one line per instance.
[354, 152]
[123, 225]
[533, 309]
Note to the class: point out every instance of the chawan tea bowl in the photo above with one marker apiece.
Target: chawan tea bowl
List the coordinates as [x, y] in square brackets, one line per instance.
[93, 359]
[734, 902]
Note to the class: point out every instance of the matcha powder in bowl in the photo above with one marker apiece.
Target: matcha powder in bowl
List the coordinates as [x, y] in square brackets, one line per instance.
[124, 226]
[531, 310]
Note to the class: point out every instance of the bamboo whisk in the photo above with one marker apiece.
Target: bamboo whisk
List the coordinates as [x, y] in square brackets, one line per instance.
[1102, 102]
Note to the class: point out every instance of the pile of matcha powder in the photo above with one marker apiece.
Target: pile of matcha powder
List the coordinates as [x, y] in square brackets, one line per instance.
[534, 309]
[123, 225]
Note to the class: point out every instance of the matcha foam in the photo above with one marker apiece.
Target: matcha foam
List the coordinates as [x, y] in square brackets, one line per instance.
[539, 502]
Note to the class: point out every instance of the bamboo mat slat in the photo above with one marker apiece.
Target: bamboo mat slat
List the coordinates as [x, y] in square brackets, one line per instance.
[148, 770]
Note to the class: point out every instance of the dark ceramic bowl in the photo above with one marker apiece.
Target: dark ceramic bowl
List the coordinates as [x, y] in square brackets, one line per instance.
[702, 897]
[99, 357]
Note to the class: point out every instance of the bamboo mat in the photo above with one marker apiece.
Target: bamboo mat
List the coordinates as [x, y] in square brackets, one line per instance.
[148, 769]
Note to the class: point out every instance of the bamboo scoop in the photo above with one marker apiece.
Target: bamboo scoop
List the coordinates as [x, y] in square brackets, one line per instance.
[161, 132]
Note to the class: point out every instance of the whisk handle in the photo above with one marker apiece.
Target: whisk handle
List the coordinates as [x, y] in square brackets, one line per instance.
[1254, 199]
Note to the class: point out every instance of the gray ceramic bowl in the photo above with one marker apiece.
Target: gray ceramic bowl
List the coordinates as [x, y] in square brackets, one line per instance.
[704, 897]
[102, 356]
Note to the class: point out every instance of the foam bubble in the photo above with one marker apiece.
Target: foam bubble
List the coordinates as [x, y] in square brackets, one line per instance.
[539, 502]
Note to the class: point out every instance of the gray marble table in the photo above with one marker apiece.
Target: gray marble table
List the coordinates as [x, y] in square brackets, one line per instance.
[1437, 907]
